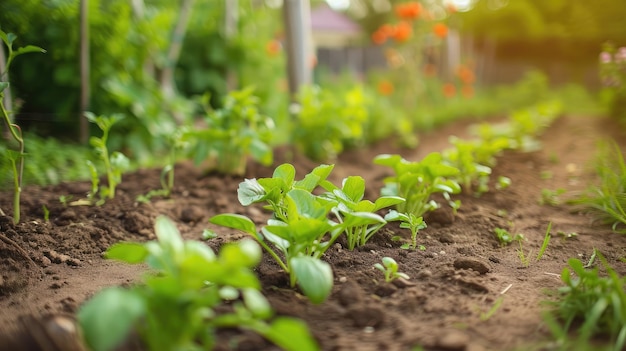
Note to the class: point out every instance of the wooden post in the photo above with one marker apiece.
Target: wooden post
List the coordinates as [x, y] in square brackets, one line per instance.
[297, 19]
[85, 89]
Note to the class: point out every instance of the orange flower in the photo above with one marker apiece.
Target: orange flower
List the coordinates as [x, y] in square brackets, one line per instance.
[273, 47]
[383, 33]
[449, 90]
[385, 88]
[440, 30]
[466, 75]
[467, 91]
[409, 10]
[403, 32]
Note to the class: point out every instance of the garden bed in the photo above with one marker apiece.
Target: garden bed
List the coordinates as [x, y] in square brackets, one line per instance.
[466, 292]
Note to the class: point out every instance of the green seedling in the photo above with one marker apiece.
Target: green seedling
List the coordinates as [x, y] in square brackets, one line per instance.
[357, 215]
[408, 221]
[551, 197]
[546, 241]
[233, 133]
[175, 141]
[191, 293]
[503, 183]
[485, 316]
[505, 237]
[593, 305]
[523, 257]
[471, 173]
[607, 199]
[417, 181]
[65, 199]
[390, 269]
[16, 157]
[299, 232]
[592, 258]
[566, 235]
[46, 213]
[114, 164]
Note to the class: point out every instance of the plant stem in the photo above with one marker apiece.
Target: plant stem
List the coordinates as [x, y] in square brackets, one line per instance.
[18, 165]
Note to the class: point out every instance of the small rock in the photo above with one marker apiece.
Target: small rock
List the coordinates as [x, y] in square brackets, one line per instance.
[349, 294]
[386, 289]
[472, 263]
[424, 273]
[402, 283]
[453, 340]
[366, 316]
[191, 214]
[73, 262]
[446, 238]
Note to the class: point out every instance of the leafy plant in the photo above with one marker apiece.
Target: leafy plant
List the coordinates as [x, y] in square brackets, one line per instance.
[417, 181]
[389, 267]
[357, 215]
[328, 121]
[176, 143]
[408, 221]
[296, 236]
[192, 293]
[505, 237]
[233, 133]
[114, 164]
[607, 199]
[471, 173]
[592, 304]
[16, 157]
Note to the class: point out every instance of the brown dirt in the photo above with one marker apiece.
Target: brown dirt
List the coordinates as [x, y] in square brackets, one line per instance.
[49, 268]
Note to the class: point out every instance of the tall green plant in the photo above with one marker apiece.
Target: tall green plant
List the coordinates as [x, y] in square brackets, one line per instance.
[16, 157]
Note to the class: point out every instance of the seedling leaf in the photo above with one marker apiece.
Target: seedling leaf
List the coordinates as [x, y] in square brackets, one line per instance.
[127, 252]
[291, 334]
[315, 277]
[107, 319]
[235, 221]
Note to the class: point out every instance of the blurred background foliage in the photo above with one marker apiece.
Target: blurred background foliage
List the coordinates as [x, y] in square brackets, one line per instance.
[513, 52]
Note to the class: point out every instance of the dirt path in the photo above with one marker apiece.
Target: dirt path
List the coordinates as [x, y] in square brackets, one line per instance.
[440, 309]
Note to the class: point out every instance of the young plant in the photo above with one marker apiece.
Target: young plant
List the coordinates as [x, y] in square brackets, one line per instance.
[357, 215]
[390, 269]
[408, 221]
[175, 141]
[296, 236]
[607, 199]
[16, 157]
[593, 304]
[546, 241]
[551, 197]
[417, 181]
[471, 172]
[505, 237]
[233, 133]
[192, 293]
[114, 164]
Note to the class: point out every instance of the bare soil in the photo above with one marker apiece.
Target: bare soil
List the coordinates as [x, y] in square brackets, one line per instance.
[47, 269]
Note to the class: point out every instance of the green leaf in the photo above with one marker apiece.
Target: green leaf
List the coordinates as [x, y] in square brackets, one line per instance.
[314, 276]
[354, 188]
[169, 236]
[291, 334]
[235, 221]
[28, 48]
[257, 303]
[387, 160]
[250, 191]
[107, 319]
[127, 252]
[386, 201]
[3, 86]
[286, 172]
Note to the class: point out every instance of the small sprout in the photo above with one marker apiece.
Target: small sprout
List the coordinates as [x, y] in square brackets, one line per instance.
[545, 175]
[65, 199]
[408, 221]
[522, 256]
[503, 182]
[551, 197]
[496, 306]
[46, 213]
[565, 235]
[208, 234]
[505, 238]
[390, 269]
[546, 241]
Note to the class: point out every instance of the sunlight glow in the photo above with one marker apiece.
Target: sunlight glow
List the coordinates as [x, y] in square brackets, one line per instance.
[338, 4]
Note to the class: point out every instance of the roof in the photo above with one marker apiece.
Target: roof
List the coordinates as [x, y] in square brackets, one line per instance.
[324, 18]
